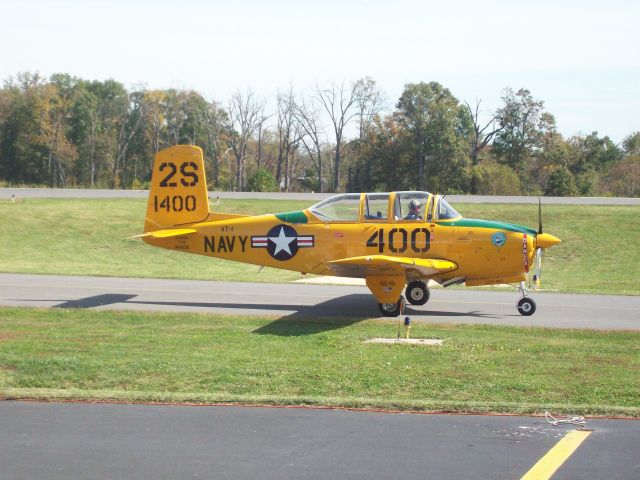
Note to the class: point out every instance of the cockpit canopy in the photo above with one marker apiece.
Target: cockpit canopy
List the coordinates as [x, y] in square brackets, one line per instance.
[384, 208]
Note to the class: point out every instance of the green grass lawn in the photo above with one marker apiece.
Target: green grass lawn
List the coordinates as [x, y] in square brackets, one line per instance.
[600, 252]
[126, 356]
[92, 237]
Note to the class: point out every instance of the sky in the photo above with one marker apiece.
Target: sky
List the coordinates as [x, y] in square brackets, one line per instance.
[582, 58]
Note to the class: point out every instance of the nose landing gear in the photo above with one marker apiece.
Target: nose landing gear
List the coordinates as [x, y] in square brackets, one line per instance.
[526, 306]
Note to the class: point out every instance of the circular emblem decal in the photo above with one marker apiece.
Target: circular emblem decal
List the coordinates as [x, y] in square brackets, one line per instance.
[498, 239]
[282, 242]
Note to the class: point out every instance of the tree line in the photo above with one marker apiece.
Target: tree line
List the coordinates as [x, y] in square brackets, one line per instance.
[64, 131]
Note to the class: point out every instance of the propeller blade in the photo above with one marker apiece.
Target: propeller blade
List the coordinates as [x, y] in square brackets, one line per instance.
[539, 215]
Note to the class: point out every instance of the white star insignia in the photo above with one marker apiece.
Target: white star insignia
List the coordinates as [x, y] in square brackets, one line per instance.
[282, 242]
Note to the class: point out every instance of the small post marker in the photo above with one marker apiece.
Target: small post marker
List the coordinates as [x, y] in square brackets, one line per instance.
[407, 327]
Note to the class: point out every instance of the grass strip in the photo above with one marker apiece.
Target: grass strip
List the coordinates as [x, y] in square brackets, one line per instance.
[599, 253]
[392, 405]
[190, 358]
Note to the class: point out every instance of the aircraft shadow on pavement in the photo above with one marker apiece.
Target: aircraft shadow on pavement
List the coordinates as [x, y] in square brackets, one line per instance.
[306, 320]
[96, 301]
[348, 306]
[342, 312]
[332, 314]
[344, 307]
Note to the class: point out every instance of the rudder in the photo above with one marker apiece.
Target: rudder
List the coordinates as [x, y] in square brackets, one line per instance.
[178, 193]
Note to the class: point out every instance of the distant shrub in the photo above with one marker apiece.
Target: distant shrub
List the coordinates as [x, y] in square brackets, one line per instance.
[623, 179]
[561, 183]
[309, 182]
[492, 178]
[586, 183]
[10, 184]
[262, 181]
[139, 185]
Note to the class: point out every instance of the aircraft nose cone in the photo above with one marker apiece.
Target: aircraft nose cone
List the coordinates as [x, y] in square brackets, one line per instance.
[546, 240]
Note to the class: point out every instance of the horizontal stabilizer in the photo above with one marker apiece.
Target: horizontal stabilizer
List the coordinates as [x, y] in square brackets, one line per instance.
[173, 232]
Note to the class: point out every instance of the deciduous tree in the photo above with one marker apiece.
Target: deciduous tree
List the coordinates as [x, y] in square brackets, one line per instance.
[242, 121]
[481, 136]
[522, 122]
[439, 127]
[311, 135]
[287, 133]
[339, 101]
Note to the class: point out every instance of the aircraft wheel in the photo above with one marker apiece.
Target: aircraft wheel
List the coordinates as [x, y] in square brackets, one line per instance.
[417, 293]
[526, 306]
[393, 309]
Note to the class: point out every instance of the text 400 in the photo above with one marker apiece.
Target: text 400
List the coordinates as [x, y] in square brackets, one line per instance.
[399, 239]
[175, 203]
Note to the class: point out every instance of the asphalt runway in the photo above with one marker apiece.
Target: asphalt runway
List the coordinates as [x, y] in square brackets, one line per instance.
[108, 441]
[601, 312]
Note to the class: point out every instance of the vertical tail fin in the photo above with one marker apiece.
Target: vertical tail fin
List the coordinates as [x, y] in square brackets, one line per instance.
[178, 193]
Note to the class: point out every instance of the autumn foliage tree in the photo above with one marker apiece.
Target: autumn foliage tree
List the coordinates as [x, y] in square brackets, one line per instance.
[64, 131]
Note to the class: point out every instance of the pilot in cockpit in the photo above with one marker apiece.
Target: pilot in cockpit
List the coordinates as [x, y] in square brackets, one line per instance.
[414, 211]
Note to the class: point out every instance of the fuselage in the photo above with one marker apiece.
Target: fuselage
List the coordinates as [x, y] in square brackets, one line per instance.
[485, 252]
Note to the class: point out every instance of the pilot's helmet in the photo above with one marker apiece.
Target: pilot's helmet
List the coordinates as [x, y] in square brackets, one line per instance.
[414, 206]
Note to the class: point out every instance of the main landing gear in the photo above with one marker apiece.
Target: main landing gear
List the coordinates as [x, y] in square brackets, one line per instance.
[417, 292]
[526, 306]
[393, 309]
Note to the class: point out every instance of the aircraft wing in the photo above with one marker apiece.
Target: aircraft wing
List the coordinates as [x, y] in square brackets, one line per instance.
[386, 265]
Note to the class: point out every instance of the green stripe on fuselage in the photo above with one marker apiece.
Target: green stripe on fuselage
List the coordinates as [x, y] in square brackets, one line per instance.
[471, 222]
[292, 217]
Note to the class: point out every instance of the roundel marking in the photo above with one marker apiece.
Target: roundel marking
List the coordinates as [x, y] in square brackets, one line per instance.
[498, 239]
[282, 242]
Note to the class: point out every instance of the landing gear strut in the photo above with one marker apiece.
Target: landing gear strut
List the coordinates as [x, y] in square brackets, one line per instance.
[417, 293]
[526, 306]
[393, 309]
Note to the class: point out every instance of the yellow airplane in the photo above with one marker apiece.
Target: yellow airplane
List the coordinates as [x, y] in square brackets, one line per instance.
[392, 240]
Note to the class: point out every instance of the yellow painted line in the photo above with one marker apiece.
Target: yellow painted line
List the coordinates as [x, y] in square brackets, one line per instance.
[553, 460]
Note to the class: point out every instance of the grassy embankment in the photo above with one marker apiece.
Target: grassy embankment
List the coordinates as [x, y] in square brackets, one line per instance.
[125, 356]
[600, 252]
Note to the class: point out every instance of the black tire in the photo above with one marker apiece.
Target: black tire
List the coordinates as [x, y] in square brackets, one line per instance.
[417, 293]
[392, 309]
[526, 306]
